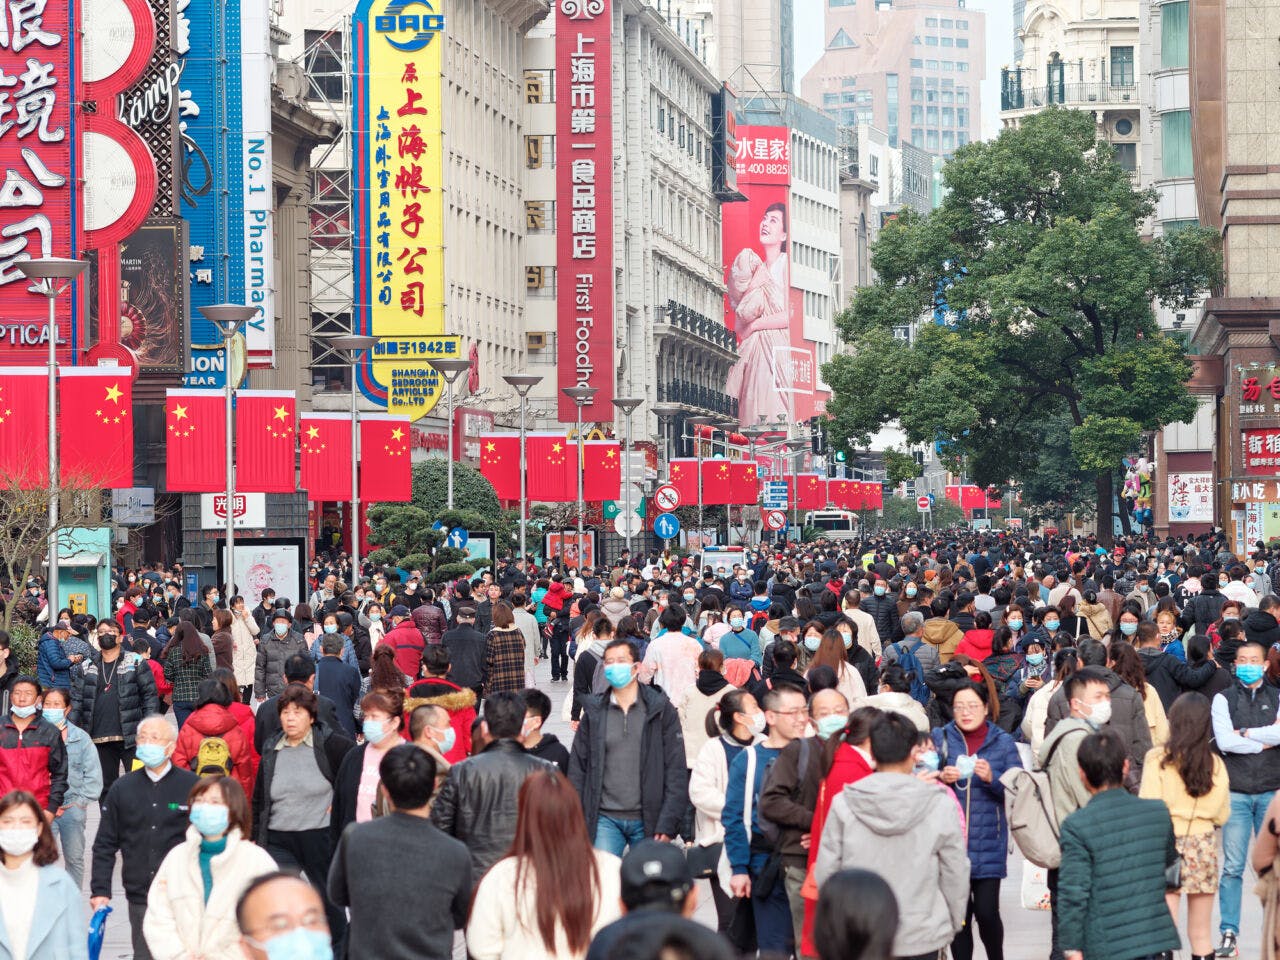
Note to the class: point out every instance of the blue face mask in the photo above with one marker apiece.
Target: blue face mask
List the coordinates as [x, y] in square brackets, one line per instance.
[847, 640]
[965, 766]
[298, 944]
[281, 629]
[618, 674]
[830, 726]
[150, 755]
[373, 730]
[930, 760]
[879, 589]
[1051, 625]
[54, 716]
[1015, 624]
[812, 643]
[450, 740]
[1035, 659]
[330, 628]
[1128, 629]
[375, 617]
[1249, 673]
[911, 591]
[211, 819]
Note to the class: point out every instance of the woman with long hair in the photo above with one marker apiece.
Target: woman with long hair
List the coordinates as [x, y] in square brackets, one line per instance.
[832, 653]
[244, 647]
[553, 891]
[810, 642]
[186, 663]
[1128, 667]
[698, 700]
[856, 918]
[33, 887]
[504, 653]
[1036, 716]
[191, 907]
[1189, 776]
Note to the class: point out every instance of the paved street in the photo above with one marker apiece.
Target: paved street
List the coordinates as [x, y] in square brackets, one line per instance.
[1026, 931]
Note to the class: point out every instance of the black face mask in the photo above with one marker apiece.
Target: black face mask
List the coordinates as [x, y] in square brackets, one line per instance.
[107, 641]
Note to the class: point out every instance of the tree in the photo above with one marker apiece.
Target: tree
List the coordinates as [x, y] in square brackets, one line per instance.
[410, 541]
[1049, 290]
[472, 495]
[901, 513]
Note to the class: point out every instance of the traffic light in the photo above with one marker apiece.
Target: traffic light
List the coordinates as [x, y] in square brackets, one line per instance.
[817, 437]
[841, 456]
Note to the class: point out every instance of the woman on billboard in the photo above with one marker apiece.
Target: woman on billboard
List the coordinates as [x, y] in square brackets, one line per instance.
[759, 293]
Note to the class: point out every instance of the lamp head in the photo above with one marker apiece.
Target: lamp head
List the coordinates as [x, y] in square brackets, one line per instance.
[351, 345]
[51, 268]
[522, 382]
[627, 404]
[228, 317]
[451, 369]
[580, 395]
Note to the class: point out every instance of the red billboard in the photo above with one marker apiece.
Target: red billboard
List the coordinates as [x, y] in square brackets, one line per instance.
[776, 371]
[1262, 453]
[584, 204]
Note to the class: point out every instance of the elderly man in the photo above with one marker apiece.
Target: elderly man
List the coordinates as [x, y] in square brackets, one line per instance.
[144, 816]
[286, 907]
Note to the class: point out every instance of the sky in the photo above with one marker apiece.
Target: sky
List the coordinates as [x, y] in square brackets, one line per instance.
[809, 35]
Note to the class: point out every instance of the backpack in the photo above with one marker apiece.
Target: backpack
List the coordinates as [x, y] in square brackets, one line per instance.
[909, 662]
[213, 759]
[1028, 806]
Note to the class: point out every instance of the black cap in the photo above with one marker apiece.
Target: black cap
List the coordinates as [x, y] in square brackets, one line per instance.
[399, 610]
[282, 614]
[655, 873]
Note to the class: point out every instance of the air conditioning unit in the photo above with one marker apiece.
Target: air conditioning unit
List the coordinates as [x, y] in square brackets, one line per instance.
[535, 341]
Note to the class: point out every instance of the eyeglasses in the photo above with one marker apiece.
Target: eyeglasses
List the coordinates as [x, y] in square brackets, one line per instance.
[968, 707]
[791, 713]
[280, 924]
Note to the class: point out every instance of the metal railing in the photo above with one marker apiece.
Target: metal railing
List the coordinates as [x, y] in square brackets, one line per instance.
[697, 395]
[707, 328]
[1013, 97]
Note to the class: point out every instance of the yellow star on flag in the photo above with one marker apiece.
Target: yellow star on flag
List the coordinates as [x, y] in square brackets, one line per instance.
[397, 434]
[313, 433]
[611, 453]
[491, 447]
[179, 412]
[281, 413]
[114, 393]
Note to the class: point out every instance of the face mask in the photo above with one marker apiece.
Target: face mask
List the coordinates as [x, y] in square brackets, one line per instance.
[1051, 625]
[1222, 583]
[829, 726]
[330, 628]
[450, 740]
[211, 819]
[847, 639]
[132, 579]
[24, 712]
[688, 598]
[1128, 629]
[1143, 587]
[812, 643]
[1015, 625]
[736, 623]
[1249, 673]
[1035, 659]
[1100, 712]
[298, 944]
[375, 617]
[879, 589]
[56, 717]
[107, 641]
[930, 760]
[120, 603]
[281, 629]
[373, 731]
[757, 723]
[410, 589]
[617, 674]
[965, 765]
[1226, 617]
[19, 841]
[911, 591]
[150, 755]
[214, 598]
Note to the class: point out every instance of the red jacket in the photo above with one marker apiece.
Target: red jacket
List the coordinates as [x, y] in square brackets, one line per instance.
[34, 760]
[407, 641]
[212, 720]
[163, 687]
[460, 703]
[555, 597]
[976, 643]
[244, 719]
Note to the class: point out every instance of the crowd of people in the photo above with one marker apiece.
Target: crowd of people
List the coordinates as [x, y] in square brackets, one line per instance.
[831, 735]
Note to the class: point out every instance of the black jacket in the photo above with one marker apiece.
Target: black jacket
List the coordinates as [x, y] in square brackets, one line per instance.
[884, 611]
[345, 787]
[266, 722]
[137, 689]
[1261, 628]
[142, 821]
[466, 646]
[1201, 610]
[664, 779]
[550, 749]
[478, 802]
[1170, 676]
[340, 683]
[330, 748]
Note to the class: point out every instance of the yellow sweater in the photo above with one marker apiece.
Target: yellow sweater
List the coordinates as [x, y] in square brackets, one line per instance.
[1164, 783]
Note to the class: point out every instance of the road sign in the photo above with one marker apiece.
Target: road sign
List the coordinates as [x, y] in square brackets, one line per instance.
[614, 507]
[666, 526]
[458, 538]
[923, 504]
[438, 525]
[775, 494]
[626, 524]
[932, 500]
[775, 520]
[666, 498]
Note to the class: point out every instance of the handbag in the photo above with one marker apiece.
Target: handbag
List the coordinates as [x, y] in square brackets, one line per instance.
[1173, 872]
[703, 860]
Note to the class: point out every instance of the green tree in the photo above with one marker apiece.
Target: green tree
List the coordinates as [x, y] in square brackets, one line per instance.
[901, 513]
[1049, 287]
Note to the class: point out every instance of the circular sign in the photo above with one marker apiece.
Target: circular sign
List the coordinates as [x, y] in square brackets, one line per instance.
[775, 519]
[626, 524]
[458, 538]
[666, 498]
[922, 504]
[666, 526]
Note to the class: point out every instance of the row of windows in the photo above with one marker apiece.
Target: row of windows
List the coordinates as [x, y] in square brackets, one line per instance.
[675, 82]
[684, 220]
[810, 213]
[803, 255]
[1174, 37]
[944, 116]
[946, 66]
[959, 95]
[932, 41]
[933, 140]
[815, 163]
[851, 96]
[849, 116]
[946, 24]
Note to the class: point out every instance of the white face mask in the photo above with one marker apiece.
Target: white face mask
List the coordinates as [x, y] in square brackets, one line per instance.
[757, 723]
[19, 841]
[1100, 713]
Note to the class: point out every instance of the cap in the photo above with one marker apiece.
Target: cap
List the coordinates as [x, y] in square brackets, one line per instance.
[399, 610]
[282, 614]
[651, 863]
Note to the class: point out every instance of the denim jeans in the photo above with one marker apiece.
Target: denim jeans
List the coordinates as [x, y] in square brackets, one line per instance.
[1247, 811]
[69, 828]
[775, 932]
[614, 836]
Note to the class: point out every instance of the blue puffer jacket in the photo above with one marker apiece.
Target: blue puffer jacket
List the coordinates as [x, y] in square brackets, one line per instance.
[984, 802]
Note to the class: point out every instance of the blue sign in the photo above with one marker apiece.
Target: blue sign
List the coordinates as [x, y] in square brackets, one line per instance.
[192, 586]
[775, 494]
[458, 538]
[666, 526]
[931, 499]
[438, 525]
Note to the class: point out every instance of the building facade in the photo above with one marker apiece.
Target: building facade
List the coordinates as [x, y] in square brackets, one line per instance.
[749, 43]
[912, 68]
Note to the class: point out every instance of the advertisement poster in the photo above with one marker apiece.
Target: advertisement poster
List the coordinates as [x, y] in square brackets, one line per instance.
[565, 546]
[1190, 497]
[262, 565]
[152, 295]
[775, 373]
[1262, 452]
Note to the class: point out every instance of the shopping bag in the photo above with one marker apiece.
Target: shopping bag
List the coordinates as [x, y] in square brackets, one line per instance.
[1035, 886]
[97, 931]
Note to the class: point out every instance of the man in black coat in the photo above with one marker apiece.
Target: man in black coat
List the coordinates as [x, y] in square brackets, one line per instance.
[145, 815]
[466, 646]
[338, 681]
[1261, 625]
[1205, 607]
[1169, 675]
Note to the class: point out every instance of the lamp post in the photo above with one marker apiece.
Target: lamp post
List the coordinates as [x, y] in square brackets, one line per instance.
[451, 370]
[665, 412]
[753, 435]
[523, 383]
[228, 318]
[350, 347]
[794, 450]
[627, 405]
[57, 274]
[697, 422]
[581, 396]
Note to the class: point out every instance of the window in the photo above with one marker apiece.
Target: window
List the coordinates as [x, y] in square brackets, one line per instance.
[962, 24]
[948, 141]
[840, 3]
[948, 117]
[949, 66]
[931, 64]
[1172, 227]
[917, 64]
[917, 137]
[948, 96]
[1127, 156]
[864, 96]
[848, 81]
[1122, 66]
[831, 100]
[948, 42]
[931, 117]
[930, 21]
[962, 117]
[962, 95]
[962, 42]
[917, 115]
[1173, 35]
[1175, 143]
[917, 95]
[930, 41]
[875, 165]
[841, 41]
[931, 140]
[947, 24]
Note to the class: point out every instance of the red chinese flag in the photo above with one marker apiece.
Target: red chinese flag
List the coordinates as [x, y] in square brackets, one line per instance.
[265, 436]
[324, 441]
[196, 428]
[385, 462]
[841, 493]
[684, 477]
[24, 427]
[813, 492]
[857, 496]
[601, 471]
[500, 463]
[744, 487]
[952, 493]
[95, 422]
[716, 482]
[552, 478]
[873, 496]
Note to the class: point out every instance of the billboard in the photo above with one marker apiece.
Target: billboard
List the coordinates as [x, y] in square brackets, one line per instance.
[1190, 497]
[724, 145]
[776, 369]
[398, 231]
[584, 205]
[1261, 452]
[225, 109]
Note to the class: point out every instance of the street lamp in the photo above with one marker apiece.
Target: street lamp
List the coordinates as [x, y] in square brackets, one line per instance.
[228, 318]
[794, 449]
[581, 396]
[665, 412]
[627, 405]
[350, 346]
[696, 422]
[451, 370]
[523, 383]
[57, 274]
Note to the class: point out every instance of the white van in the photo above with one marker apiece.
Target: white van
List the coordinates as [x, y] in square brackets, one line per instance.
[833, 524]
[720, 558]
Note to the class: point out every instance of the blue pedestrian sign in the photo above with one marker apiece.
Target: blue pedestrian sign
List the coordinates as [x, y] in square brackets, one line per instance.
[666, 526]
[932, 499]
[458, 538]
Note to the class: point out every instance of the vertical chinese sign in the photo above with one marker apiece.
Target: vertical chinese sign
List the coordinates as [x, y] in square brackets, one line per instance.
[399, 202]
[39, 203]
[584, 204]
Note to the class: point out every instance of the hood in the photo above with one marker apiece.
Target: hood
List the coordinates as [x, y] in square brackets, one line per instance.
[548, 740]
[615, 605]
[938, 631]
[1258, 620]
[212, 720]
[890, 803]
[452, 700]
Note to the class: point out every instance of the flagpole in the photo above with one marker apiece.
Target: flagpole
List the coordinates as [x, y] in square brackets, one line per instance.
[523, 383]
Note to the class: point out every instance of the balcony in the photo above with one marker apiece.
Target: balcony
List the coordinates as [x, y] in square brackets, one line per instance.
[710, 330]
[1014, 96]
[696, 395]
